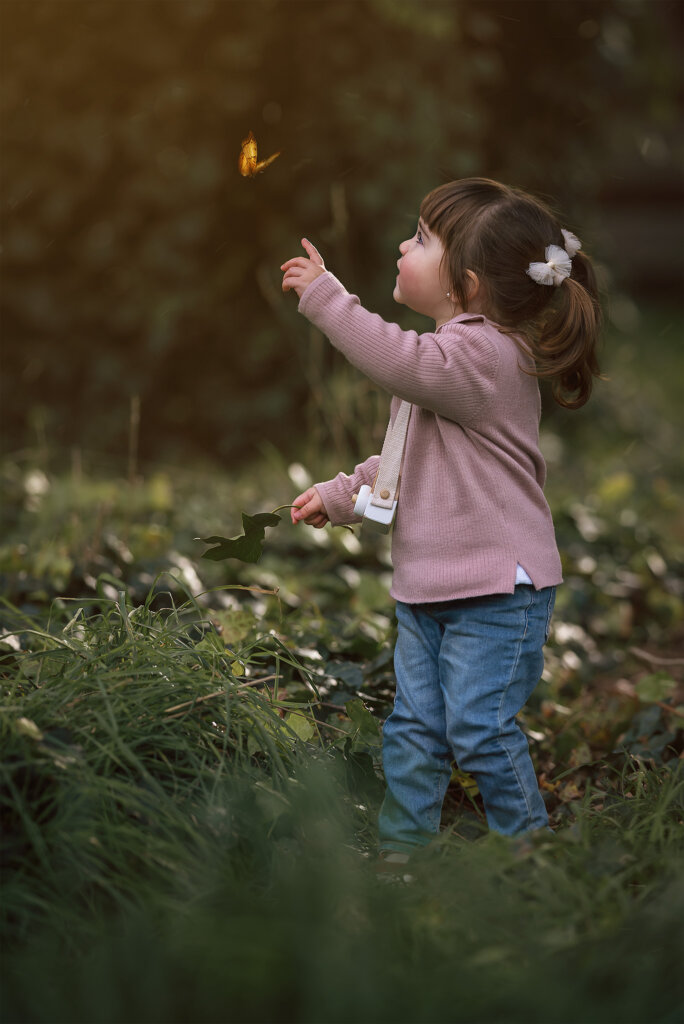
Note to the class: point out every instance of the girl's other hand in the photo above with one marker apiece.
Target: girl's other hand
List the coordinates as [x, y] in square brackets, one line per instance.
[310, 509]
[302, 270]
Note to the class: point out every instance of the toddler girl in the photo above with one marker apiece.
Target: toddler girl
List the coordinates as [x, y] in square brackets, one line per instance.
[474, 553]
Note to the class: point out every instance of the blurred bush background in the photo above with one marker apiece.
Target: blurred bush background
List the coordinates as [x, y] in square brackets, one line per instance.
[140, 271]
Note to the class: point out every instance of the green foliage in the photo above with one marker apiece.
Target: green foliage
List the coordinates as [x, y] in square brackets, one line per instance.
[134, 255]
[179, 837]
[191, 775]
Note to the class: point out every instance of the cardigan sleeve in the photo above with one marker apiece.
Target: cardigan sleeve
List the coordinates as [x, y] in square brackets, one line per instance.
[337, 494]
[452, 372]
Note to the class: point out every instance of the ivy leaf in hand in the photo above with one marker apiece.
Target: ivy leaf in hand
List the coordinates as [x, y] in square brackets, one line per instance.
[248, 547]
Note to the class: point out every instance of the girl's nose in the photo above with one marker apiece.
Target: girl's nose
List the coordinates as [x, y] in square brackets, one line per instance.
[403, 246]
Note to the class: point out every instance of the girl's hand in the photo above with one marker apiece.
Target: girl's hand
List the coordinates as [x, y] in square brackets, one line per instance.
[301, 271]
[310, 509]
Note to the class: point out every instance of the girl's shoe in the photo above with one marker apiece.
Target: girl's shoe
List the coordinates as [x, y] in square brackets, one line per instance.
[391, 867]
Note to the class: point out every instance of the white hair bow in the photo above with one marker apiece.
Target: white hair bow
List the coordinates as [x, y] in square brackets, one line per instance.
[572, 243]
[556, 268]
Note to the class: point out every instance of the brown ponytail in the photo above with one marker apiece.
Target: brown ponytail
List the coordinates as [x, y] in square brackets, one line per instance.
[564, 344]
[496, 232]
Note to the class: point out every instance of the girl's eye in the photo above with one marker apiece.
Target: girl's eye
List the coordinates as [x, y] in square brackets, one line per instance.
[419, 237]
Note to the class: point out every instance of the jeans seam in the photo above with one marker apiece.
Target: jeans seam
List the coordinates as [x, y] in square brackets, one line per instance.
[437, 805]
[501, 703]
[549, 612]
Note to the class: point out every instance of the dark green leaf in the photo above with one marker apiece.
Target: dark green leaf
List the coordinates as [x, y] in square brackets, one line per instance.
[365, 722]
[657, 686]
[349, 673]
[248, 547]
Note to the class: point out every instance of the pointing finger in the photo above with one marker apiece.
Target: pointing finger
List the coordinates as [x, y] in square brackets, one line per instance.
[313, 252]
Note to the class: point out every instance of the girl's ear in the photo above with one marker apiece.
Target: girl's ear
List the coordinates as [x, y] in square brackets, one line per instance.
[473, 285]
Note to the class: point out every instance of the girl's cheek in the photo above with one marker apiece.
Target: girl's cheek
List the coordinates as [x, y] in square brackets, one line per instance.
[406, 277]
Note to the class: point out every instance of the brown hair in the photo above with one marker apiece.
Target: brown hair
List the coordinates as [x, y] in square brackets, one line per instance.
[496, 232]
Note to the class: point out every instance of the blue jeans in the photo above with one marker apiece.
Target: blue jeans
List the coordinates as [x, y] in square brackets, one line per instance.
[464, 670]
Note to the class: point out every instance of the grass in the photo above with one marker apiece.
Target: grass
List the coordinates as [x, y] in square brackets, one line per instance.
[177, 850]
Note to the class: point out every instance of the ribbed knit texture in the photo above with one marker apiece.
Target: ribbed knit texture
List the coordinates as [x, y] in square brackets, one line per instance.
[471, 506]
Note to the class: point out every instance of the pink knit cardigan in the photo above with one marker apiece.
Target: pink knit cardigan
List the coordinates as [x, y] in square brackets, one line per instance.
[471, 506]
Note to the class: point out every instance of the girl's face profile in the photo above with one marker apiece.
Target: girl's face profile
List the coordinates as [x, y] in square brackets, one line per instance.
[421, 284]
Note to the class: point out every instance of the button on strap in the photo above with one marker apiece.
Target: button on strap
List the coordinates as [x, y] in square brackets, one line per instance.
[392, 455]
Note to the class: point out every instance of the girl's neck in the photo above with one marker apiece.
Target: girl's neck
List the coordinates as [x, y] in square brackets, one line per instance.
[474, 309]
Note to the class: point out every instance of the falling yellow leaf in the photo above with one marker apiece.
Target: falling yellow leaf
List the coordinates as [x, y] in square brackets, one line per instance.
[247, 161]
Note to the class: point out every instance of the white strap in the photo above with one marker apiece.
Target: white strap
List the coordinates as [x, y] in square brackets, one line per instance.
[387, 481]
